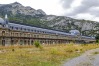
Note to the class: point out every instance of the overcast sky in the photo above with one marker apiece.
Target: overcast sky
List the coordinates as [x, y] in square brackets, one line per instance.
[79, 9]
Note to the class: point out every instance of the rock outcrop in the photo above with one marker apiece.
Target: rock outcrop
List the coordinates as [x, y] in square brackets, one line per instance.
[17, 8]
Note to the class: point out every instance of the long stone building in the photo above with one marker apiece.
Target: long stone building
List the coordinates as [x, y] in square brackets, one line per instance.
[18, 34]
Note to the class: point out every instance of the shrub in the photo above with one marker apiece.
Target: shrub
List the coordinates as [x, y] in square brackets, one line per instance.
[37, 44]
[13, 50]
[96, 53]
[76, 49]
[54, 51]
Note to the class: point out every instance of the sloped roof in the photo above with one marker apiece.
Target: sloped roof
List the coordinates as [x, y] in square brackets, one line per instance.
[2, 21]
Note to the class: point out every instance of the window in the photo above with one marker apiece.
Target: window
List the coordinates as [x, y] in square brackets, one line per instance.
[28, 29]
[34, 36]
[43, 31]
[16, 34]
[12, 27]
[3, 33]
[3, 25]
[37, 36]
[32, 30]
[16, 28]
[35, 31]
[25, 29]
[21, 28]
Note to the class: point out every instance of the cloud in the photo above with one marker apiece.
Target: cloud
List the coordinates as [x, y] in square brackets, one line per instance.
[66, 3]
[89, 8]
[86, 16]
[85, 6]
[94, 11]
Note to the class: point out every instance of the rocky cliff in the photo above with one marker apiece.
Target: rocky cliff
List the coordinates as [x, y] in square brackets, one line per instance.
[17, 8]
[66, 24]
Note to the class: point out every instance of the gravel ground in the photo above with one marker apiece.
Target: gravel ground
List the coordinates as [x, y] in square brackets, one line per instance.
[89, 58]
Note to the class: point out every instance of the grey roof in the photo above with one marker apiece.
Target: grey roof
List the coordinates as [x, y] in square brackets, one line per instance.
[87, 37]
[36, 28]
[76, 31]
[2, 21]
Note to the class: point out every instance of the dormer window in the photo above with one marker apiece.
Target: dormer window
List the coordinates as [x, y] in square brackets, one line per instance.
[16, 28]
[12, 27]
[25, 29]
[35, 31]
[28, 29]
[3, 25]
[21, 28]
[32, 30]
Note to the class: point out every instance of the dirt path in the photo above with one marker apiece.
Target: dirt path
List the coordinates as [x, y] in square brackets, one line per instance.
[89, 58]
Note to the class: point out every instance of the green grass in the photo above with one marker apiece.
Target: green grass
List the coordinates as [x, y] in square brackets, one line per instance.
[50, 55]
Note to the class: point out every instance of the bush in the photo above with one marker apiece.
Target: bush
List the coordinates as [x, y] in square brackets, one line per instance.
[96, 53]
[13, 50]
[37, 44]
[54, 51]
[97, 38]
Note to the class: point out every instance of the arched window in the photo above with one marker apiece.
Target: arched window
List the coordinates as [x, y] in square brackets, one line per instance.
[3, 33]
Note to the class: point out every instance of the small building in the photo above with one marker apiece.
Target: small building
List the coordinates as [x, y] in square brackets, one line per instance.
[74, 32]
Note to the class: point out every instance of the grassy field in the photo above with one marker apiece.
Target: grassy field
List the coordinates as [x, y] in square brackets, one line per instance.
[48, 55]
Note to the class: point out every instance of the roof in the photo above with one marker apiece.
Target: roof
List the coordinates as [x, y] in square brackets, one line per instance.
[2, 21]
[74, 31]
[36, 28]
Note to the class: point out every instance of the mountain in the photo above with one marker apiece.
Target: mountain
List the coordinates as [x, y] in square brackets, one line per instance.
[16, 8]
[86, 27]
[27, 15]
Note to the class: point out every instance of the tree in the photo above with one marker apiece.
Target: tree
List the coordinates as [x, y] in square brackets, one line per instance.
[97, 38]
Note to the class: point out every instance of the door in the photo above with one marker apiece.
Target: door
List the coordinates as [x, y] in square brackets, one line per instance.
[3, 42]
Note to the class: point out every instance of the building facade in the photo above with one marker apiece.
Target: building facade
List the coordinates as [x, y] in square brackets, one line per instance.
[18, 34]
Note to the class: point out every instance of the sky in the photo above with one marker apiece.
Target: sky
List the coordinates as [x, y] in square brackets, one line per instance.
[78, 9]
